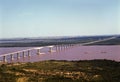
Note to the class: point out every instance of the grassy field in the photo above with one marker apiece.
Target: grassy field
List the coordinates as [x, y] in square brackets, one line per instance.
[61, 71]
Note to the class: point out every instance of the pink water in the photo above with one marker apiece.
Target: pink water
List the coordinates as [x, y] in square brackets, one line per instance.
[71, 53]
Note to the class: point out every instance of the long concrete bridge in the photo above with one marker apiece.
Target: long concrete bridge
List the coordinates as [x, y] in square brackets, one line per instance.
[26, 52]
[38, 52]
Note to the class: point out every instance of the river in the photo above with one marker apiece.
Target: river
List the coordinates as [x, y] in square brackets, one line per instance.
[110, 52]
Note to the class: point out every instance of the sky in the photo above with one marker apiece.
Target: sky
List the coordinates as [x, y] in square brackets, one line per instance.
[41, 18]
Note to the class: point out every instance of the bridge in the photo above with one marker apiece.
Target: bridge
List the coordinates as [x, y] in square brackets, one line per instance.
[22, 53]
[26, 52]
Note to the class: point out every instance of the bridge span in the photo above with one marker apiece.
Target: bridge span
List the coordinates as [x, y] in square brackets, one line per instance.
[27, 52]
[57, 48]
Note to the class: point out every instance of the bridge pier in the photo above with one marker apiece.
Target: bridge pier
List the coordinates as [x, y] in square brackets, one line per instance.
[66, 46]
[55, 47]
[4, 59]
[29, 53]
[18, 56]
[23, 54]
[59, 48]
[12, 57]
[38, 51]
[50, 49]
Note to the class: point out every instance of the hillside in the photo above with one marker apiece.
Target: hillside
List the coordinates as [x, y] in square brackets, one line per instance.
[61, 71]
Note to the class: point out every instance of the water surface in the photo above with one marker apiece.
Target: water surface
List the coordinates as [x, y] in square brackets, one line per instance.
[71, 53]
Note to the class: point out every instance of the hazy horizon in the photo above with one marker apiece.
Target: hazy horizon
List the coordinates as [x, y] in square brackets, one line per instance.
[47, 37]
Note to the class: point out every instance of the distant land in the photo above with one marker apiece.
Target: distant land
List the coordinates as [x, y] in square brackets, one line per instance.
[43, 41]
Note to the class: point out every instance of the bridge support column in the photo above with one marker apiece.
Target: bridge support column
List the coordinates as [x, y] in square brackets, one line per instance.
[50, 49]
[65, 46]
[56, 48]
[18, 56]
[38, 51]
[28, 53]
[23, 54]
[12, 57]
[61, 47]
[4, 59]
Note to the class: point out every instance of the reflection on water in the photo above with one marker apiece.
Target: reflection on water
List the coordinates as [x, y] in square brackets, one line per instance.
[64, 53]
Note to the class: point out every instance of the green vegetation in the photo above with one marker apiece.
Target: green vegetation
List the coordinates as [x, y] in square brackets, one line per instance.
[58, 41]
[61, 71]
